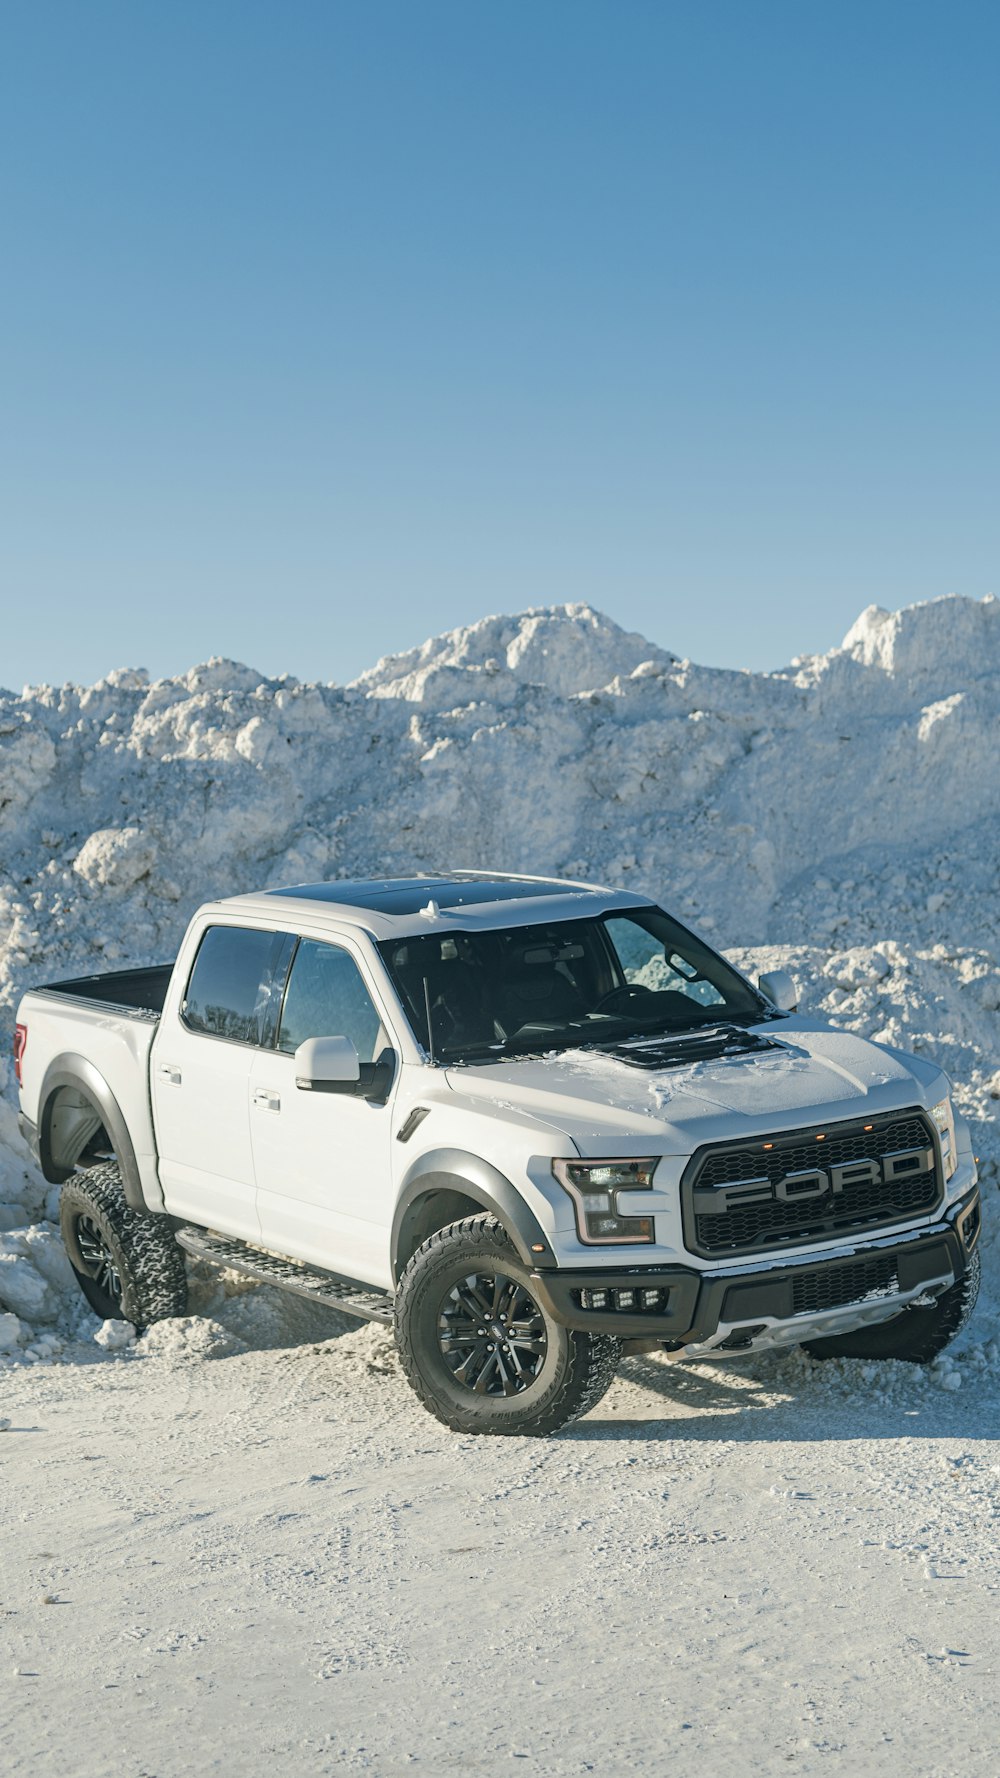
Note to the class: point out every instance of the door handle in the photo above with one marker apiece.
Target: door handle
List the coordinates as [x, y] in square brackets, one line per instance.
[267, 1100]
[170, 1073]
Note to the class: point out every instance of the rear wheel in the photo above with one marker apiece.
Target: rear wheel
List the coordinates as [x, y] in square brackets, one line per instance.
[480, 1350]
[127, 1264]
[914, 1337]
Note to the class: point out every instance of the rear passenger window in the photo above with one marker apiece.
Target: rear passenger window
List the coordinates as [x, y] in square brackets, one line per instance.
[327, 997]
[236, 983]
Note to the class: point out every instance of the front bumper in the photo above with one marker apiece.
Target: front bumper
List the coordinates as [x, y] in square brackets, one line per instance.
[739, 1308]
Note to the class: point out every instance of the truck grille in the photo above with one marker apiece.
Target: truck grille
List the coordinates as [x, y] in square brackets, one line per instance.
[785, 1221]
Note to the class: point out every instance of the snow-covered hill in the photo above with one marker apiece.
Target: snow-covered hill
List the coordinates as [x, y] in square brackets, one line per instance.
[847, 806]
[859, 784]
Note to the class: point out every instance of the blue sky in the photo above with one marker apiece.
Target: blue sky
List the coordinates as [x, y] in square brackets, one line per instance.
[330, 324]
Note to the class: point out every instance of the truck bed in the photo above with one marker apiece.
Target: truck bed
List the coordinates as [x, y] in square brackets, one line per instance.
[140, 991]
[85, 1048]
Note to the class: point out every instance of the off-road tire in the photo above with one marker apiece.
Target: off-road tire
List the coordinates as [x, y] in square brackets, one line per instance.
[914, 1337]
[147, 1261]
[576, 1369]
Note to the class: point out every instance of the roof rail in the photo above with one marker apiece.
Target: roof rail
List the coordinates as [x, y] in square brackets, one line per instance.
[514, 876]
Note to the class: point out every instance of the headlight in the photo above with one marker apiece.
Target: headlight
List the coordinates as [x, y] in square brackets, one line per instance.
[597, 1189]
[944, 1117]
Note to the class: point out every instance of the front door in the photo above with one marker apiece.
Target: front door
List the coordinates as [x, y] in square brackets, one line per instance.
[324, 1190]
[201, 1066]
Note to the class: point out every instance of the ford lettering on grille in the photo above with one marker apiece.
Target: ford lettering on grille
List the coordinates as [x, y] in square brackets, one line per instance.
[791, 1188]
[813, 1182]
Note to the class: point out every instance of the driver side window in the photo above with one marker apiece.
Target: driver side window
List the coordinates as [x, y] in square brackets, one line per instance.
[326, 997]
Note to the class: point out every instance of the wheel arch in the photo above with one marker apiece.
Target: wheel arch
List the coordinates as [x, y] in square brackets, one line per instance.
[65, 1128]
[446, 1184]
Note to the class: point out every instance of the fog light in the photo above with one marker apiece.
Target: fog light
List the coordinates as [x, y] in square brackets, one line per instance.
[594, 1299]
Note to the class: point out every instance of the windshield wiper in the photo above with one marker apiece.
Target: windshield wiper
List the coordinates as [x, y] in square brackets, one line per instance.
[478, 1052]
[711, 1018]
[603, 1033]
[510, 1051]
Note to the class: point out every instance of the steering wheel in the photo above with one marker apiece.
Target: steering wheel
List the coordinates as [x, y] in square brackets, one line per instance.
[626, 994]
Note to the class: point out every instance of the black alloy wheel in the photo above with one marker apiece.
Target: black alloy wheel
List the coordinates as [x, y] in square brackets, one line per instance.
[479, 1347]
[101, 1279]
[491, 1333]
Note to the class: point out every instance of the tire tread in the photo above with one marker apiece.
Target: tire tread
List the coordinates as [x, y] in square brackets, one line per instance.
[154, 1278]
[588, 1378]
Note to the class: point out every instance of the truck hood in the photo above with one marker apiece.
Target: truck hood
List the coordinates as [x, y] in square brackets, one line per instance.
[607, 1106]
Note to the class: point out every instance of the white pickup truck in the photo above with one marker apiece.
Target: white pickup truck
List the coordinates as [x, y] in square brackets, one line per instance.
[532, 1124]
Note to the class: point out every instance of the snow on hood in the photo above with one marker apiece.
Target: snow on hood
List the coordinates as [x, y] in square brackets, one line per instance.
[596, 1099]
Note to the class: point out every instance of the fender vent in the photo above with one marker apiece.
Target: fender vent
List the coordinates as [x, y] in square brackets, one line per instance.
[413, 1122]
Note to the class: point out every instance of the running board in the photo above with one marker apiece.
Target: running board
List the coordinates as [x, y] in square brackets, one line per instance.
[287, 1274]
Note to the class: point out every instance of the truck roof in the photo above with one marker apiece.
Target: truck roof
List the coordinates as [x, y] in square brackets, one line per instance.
[394, 907]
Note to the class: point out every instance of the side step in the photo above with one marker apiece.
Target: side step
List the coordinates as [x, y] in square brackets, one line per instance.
[287, 1274]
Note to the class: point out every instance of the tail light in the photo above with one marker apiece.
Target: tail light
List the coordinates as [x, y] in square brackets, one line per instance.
[20, 1045]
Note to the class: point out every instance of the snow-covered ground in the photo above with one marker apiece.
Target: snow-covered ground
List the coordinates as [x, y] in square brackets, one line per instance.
[241, 1545]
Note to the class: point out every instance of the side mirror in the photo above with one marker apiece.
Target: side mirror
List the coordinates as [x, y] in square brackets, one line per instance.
[330, 1065]
[779, 987]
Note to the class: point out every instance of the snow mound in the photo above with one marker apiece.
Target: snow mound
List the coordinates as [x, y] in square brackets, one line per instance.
[840, 818]
[911, 644]
[115, 1336]
[566, 649]
[187, 1339]
[115, 858]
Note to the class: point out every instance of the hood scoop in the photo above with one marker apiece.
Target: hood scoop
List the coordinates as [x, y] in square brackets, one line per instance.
[680, 1052]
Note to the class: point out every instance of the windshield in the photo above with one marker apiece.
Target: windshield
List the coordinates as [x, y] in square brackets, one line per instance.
[531, 988]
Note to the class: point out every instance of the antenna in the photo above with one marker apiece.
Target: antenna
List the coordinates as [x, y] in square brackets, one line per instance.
[430, 1028]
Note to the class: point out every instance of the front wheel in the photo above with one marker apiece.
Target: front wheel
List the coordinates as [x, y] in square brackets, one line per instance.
[914, 1337]
[480, 1350]
[127, 1264]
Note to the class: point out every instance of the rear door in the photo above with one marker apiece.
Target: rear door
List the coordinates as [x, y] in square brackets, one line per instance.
[201, 1066]
[324, 1190]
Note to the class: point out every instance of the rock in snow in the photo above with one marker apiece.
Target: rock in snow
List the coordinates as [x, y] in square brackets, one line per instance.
[840, 816]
